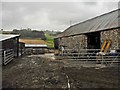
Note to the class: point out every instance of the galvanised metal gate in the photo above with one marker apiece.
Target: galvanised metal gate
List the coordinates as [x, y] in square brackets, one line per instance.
[7, 56]
[90, 55]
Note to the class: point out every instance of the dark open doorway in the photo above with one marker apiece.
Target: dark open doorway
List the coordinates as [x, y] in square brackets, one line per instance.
[93, 40]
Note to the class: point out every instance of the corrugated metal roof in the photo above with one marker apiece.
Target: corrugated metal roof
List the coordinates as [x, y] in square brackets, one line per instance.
[7, 36]
[99, 23]
[59, 35]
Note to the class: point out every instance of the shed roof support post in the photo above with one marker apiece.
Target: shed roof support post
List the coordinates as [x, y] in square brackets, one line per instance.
[17, 40]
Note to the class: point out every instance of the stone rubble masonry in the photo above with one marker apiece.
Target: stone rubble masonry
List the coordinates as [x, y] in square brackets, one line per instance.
[80, 41]
[114, 35]
[74, 42]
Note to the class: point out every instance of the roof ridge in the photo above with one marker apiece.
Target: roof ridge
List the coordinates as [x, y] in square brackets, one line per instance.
[95, 17]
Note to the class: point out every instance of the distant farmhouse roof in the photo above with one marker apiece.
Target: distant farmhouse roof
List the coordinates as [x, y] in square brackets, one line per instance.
[36, 45]
[99, 23]
[7, 36]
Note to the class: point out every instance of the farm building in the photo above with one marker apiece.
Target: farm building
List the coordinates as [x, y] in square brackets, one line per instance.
[34, 46]
[92, 33]
[10, 47]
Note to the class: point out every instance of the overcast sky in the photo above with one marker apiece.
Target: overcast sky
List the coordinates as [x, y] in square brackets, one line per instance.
[51, 15]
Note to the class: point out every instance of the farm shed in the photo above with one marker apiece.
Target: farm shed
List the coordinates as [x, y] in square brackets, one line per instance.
[10, 47]
[91, 34]
[35, 48]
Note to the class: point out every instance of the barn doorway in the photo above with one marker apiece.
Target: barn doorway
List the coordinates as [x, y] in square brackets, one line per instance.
[93, 40]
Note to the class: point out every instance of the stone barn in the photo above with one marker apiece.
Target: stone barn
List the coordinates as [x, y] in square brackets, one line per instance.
[92, 33]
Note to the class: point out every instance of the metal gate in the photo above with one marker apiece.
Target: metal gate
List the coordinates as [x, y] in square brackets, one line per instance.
[7, 56]
[90, 55]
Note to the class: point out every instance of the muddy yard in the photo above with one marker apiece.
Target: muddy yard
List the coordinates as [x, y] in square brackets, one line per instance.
[44, 71]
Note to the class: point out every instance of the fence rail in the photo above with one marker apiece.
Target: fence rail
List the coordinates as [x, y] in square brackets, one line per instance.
[90, 55]
[6, 56]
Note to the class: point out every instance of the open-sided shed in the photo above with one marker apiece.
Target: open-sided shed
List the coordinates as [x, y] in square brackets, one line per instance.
[35, 48]
[10, 47]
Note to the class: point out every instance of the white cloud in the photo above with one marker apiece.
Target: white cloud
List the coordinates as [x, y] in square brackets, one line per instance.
[60, 0]
[0, 15]
[51, 15]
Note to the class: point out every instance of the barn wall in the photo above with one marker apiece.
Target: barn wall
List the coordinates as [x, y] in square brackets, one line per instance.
[80, 41]
[115, 35]
[11, 43]
[74, 42]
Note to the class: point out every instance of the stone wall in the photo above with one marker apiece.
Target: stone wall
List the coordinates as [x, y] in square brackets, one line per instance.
[80, 41]
[74, 42]
[115, 37]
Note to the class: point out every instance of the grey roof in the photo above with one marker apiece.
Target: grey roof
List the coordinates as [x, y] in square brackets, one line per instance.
[7, 36]
[99, 23]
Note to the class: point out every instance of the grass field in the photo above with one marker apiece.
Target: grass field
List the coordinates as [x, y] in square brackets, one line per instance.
[50, 41]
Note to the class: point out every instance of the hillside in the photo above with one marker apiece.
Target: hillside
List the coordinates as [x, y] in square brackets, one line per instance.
[49, 40]
[35, 37]
[26, 33]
